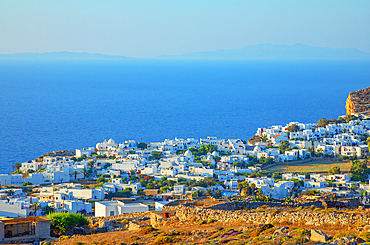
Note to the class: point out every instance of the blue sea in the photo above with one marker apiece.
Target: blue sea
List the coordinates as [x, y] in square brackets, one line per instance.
[56, 105]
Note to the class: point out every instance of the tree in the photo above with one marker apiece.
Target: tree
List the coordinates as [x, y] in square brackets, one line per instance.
[47, 210]
[35, 206]
[323, 123]
[218, 194]
[293, 128]
[240, 186]
[253, 186]
[298, 182]
[334, 170]
[142, 145]
[266, 160]
[100, 180]
[91, 164]
[163, 189]
[84, 171]
[284, 145]
[156, 155]
[359, 171]
[141, 192]
[60, 222]
[18, 166]
[75, 174]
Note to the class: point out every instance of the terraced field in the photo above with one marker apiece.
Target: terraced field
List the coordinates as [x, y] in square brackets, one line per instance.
[313, 166]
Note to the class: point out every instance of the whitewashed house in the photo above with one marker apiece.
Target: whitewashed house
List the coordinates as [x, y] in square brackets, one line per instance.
[111, 208]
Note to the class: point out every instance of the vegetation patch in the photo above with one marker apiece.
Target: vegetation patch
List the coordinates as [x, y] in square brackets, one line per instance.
[162, 240]
[60, 222]
[146, 230]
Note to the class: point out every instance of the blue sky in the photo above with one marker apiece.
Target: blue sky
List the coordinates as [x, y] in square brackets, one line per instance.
[147, 29]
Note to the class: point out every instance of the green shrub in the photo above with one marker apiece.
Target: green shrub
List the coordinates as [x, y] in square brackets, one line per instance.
[146, 230]
[201, 222]
[209, 221]
[63, 221]
[162, 240]
[46, 243]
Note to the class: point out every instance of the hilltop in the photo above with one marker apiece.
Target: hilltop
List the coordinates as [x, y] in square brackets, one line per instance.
[358, 102]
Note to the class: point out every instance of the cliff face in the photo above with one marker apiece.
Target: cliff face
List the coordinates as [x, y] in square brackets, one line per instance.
[358, 102]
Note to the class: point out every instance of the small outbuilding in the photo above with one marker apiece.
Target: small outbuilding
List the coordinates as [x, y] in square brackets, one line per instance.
[111, 208]
[24, 229]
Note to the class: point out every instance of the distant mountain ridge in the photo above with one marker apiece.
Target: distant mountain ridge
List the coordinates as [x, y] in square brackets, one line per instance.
[265, 51]
[276, 52]
[64, 55]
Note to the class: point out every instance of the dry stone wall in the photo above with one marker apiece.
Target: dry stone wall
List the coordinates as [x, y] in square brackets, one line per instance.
[294, 217]
[242, 205]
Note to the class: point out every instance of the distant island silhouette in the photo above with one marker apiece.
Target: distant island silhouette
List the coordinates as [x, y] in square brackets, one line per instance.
[250, 52]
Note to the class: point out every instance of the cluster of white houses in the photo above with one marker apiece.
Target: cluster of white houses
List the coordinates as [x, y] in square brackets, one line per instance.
[124, 159]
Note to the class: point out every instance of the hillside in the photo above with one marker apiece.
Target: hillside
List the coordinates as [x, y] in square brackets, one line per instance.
[358, 102]
[305, 222]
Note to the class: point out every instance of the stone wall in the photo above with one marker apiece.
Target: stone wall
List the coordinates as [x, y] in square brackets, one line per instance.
[294, 217]
[246, 205]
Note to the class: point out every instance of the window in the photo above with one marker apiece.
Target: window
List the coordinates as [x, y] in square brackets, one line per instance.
[111, 213]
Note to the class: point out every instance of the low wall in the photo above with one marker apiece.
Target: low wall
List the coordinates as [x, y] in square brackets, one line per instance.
[245, 205]
[294, 217]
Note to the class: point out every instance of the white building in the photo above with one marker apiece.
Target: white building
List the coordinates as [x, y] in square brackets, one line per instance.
[111, 208]
[314, 184]
[77, 206]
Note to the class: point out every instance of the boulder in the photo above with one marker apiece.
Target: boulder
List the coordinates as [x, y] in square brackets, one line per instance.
[318, 236]
[133, 226]
[280, 231]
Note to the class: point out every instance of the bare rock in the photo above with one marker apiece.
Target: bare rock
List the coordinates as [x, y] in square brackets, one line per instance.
[318, 236]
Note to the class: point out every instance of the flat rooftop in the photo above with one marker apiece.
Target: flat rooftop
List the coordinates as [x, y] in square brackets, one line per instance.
[23, 220]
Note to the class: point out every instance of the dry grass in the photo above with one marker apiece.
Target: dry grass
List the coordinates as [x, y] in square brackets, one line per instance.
[313, 166]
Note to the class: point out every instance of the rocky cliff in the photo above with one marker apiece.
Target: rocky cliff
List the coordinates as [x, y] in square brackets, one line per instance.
[358, 102]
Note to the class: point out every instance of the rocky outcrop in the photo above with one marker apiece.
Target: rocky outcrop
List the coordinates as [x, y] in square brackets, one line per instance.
[318, 236]
[358, 102]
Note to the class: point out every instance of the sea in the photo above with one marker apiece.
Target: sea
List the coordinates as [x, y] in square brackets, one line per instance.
[48, 105]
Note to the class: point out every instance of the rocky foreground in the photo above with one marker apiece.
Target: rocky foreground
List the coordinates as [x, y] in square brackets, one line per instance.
[262, 225]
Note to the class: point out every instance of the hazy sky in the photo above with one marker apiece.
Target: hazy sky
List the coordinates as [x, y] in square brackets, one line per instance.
[151, 28]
